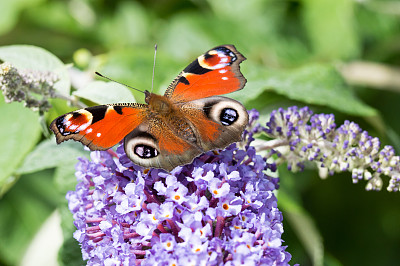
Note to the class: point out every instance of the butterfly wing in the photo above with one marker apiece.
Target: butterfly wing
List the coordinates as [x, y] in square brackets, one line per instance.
[214, 73]
[99, 127]
[218, 121]
[154, 144]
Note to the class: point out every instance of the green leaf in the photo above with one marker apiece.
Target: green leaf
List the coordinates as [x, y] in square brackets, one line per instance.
[105, 92]
[300, 221]
[9, 15]
[22, 210]
[10, 11]
[131, 26]
[36, 58]
[70, 252]
[234, 9]
[50, 155]
[331, 27]
[45, 245]
[182, 31]
[312, 84]
[64, 177]
[19, 132]
[303, 224]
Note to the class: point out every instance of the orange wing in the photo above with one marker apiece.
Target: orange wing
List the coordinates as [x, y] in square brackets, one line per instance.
[218, 121]
[154, 144]
[214, 73]
[99, 127]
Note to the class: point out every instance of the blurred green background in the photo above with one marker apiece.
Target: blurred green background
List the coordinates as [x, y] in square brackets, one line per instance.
[336, 56]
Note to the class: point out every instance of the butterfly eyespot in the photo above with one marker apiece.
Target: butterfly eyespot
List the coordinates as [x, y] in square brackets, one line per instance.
[145, 152]
[228, 116]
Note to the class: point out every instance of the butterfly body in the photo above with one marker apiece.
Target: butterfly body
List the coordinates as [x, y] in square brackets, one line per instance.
[171, 129]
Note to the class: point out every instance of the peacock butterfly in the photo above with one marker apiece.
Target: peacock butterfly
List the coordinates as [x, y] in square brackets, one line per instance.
[173, 129]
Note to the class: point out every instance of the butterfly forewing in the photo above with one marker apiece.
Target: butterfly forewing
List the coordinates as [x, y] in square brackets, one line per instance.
[214, 73]
[99, 127]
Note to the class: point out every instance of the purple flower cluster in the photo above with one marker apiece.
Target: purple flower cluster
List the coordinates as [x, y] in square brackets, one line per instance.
[299, 136]
[218, 210]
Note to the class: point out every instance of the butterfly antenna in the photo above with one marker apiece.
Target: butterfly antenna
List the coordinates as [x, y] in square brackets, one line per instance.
[98, 74]
[154, 67]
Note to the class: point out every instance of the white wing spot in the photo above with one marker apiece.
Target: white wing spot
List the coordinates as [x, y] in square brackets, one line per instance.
[98, 134]
[83, 126]
[222, 71]
[89, 130]
[224, 78]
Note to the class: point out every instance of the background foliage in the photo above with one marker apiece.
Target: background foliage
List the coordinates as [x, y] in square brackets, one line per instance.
[336, 56]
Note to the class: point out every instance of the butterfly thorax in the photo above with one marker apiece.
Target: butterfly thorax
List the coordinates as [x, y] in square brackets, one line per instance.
[159, 104]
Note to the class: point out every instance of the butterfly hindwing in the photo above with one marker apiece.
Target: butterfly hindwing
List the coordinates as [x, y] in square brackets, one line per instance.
[99, 127]
[155, 144]
[216, 72]
[218, 121]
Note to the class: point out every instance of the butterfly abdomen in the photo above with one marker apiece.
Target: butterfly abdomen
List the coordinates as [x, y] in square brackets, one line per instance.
[182, 128]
